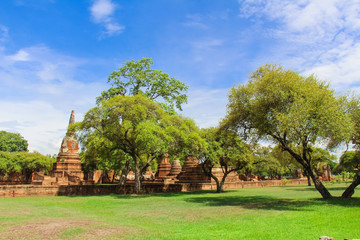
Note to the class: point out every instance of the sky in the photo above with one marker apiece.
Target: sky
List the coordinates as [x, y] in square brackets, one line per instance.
[56, 55]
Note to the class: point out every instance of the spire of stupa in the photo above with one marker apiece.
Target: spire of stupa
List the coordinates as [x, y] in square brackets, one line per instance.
[72, 117]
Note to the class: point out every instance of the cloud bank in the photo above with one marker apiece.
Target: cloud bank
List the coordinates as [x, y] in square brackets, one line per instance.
[314, 36]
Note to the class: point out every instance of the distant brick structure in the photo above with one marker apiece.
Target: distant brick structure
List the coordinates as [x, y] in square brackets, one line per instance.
[164, 168]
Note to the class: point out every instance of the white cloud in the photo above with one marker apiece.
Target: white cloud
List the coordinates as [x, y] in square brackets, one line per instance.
[314, 36]
[38, 122]
[39, 87]
[113, 28]
[102, 12]
[340, 66]
[21, 55]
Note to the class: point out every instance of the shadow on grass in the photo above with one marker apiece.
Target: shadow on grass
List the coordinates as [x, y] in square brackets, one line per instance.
[145, 195]
[253, 202]
[312, 188]
[271, 203]
[166, 194]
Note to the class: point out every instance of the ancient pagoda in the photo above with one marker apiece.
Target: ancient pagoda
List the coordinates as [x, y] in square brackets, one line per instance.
[67, 168]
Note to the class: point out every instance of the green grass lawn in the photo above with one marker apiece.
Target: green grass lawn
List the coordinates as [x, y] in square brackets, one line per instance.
[289, 212]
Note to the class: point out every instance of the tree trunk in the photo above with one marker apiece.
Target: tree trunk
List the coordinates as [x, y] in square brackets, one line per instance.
[124, 173]
[351, 189]
[209, 172]
[113, 177]
[123, 176]
[221, 187]
[308, 177]
[28, 176]
[137, 185]
[101, 177]
[309, 180]
[318, 184]
[307, 168]
[218, 185]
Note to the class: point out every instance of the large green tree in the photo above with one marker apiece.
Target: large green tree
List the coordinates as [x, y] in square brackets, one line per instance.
[12, 142]
[135, 128]
[137, 77]
[291, 110]
[224, 149]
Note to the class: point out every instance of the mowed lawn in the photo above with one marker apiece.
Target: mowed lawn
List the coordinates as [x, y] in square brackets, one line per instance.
[288, 212]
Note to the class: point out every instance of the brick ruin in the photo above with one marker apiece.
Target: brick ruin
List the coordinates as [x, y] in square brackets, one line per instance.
[190, 173]
[67, 169]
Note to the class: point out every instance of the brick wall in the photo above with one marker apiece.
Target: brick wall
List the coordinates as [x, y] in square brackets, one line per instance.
[147, 187]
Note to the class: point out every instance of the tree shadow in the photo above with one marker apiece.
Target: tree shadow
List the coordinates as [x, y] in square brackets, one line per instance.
[271, 203]
[163, 194]
[253, 202]
[338, 201]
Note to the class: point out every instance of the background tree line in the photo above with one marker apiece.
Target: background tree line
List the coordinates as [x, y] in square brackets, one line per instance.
[15, 158]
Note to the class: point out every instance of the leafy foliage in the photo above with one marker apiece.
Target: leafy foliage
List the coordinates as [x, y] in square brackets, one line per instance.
[12, 142]
[354, 110]
[291, 110]
[25, 163]
[224, 148]
[137, 77]
[266, 164]
[133, 130]
[349, 161]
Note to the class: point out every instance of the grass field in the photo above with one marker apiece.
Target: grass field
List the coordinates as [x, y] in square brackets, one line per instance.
[289, 212]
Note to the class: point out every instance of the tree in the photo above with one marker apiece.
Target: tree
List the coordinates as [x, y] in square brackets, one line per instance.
[12, 142]
[224, 148]
[349, 162]
[137, 77]
[265, 163]
[25, 163]
[354, 110]
[291, 110]
[132, 128]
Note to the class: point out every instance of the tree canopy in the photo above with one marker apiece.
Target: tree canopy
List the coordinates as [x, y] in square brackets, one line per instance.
[135, 130]
[25, 163]
[137, 77]
[224, 149]
[291, 110]
[12, 142]
[349, 162]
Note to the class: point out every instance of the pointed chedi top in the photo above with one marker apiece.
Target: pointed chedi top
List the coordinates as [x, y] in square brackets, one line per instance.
[71, 121]
[72, 117]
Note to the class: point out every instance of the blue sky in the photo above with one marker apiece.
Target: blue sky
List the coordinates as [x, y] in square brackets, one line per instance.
[55, 55]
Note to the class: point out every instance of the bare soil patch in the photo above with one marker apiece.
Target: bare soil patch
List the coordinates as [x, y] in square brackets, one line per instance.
[52, 228]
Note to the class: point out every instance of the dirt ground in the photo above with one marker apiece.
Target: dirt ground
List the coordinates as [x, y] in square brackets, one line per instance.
[58, 228]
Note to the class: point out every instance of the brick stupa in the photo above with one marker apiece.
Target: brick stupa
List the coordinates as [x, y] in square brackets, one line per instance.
[192, 172]
[164, 168]
[68, 164]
